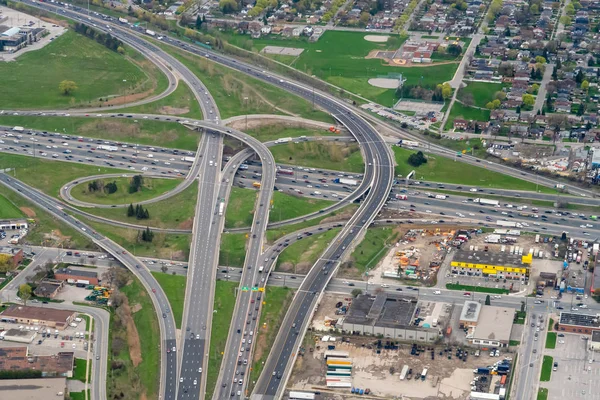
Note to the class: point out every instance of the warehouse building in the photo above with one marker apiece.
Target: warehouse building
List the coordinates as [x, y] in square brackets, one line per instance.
[76, 275]
[13, 224]
[34, 389]
[490, 264]
[594, 342]
[488, 325]
[389, 315]
[19, 359]
[18, 335]
[578, 323]
[49, 317]
[48, 288]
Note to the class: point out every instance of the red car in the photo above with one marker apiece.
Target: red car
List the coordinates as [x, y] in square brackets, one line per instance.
[467, 294]
[153, 290]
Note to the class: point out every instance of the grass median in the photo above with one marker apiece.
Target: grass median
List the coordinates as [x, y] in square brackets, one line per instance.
[225, 296]
[232, 251]
[546, 369]
[370, 250]
[542, 394]
[266, 133]
[551, 340]
[150, 188]
[335, 156]
[79, 370]
[478, 289]
[174, 288]
[276, 301]
[300, 256]
[8, 210]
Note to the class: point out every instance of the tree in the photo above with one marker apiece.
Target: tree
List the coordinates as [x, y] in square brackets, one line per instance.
[228, 6]
[198, 22]
[417, 159]
[24, 293]
[130, 210]
[446, 91]
[579, 77]
[147, 235]
[121, 50]
[585, 85]
[488, 300]
[540, 59]
[364, 18]
[528, 100]
[500, 95]
[164, 269]
[67, 87]
[563, 237]
[356, 292]
[454, 50]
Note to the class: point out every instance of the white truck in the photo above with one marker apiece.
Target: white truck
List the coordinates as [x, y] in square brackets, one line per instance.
[108, 148]
[18, 129]
[509, 224]
[189, 159]
[123, 21]
[151, 33]
[486, 202]
[284, 140]
[261, 269]
[221, 207]
[440, 196]
[344, 181]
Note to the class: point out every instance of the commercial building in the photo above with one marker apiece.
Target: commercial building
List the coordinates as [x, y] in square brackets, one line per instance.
[387, 315]
[15, 38]
[48, 288]
[12, 255]
[578, 323]
[19, 359]
[13, 224]
[488, 325]
[18, 335]
[34, 389]
[594, 342]
[38, 316]
[489, 264]
[76, 275]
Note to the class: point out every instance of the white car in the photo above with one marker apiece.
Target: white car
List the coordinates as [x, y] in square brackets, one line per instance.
[195, 382]
[437, 292]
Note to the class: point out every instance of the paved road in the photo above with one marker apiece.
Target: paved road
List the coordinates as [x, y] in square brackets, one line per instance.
[541, 95]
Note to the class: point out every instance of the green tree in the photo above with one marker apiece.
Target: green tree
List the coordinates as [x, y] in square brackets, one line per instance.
[198, 22]
[585, 85]
[540, 59]
[454, 50]
[417, 159]
[488, 300]
[130, 210]
[356, 292]
[446, 91]
[67, 87]
[121, 50]
[228, 6]
[24, 293]
[528, 100]
[565, 20]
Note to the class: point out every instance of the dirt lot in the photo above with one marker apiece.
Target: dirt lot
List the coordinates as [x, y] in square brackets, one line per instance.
[446, 378]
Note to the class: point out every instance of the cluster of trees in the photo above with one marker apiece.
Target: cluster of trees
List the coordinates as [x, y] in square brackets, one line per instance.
[100, 186]
[20, 374]
[440, 93]
[105, 39]
[400, 22]
[536, 74]
[136, 183]
[146, 235]
[151, 18]
[5, 263]
[138, 212]
[228, 6]
[494, 10]
[25, 292]
[454, 50]
[67, 87]
[417, 159]
[335, 5]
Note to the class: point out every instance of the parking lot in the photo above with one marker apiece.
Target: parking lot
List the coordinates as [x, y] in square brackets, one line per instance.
[575, 377]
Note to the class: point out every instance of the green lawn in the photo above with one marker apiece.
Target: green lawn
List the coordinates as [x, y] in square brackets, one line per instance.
[144, 131]
[339, 215]
[551, 340]
[174, 287]
[47, 230]
[223, 306]
[151, 188]
[481, 92]
[327, 155]
[8, 210]
[520, 317]
[469, 113]
[79, 395]
[97, 71]
[338, 57]
[174, 212]
[181, 102]
[276, 301]
[480, 289]
[49, 176]
[233, 249]
[373, 247]
[514, 342]
[79, 370]
[169, 246]
[301, 255]
[542, 394]
[267, 133]
[237, 95]
[546, 369]
[446, 170]
[240, 209]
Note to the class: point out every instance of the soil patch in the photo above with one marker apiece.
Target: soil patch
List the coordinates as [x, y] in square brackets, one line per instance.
[376, 38]
[187, 224]
[136, 308]
[133, 339]
[130, 98]
[28, 211]
[174, 110]
[384, 83]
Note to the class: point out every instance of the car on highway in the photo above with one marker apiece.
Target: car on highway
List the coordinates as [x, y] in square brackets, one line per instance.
[466, 294]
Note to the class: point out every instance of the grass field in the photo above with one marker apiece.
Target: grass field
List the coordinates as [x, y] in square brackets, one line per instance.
[79, 370]
[373, 247]
[237, 95]
[240, 208]
[97, 71]
[339, 58]
[181, 102]
[479, 289]
[170, 246]
[144, 131]
[47, 230]
[344, 213]
[542, 394]
[8, 210]
[46, 175]
[469, 113]
[267, 133]
[139, 381]
[151, 188]
[79, 395]
[327, 155]
[481, 92]
[174, 212]
[551, 340]
[301, 255]
[174, 287]
[233, 249]
[276, 301]
[514, 342]
[225, 295]
[446, 170]
[546, 369]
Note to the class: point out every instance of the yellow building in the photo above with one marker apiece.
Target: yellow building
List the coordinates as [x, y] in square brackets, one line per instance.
[494, 264]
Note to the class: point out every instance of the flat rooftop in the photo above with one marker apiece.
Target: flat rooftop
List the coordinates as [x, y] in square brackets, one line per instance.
[32, 389]
[76, 272]
[495, 323]
[384, 310]
[568, 318]
[470, 311]
[20, 333]
[19, 359]
[503, 259]
[36, 313]
[596, 336]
